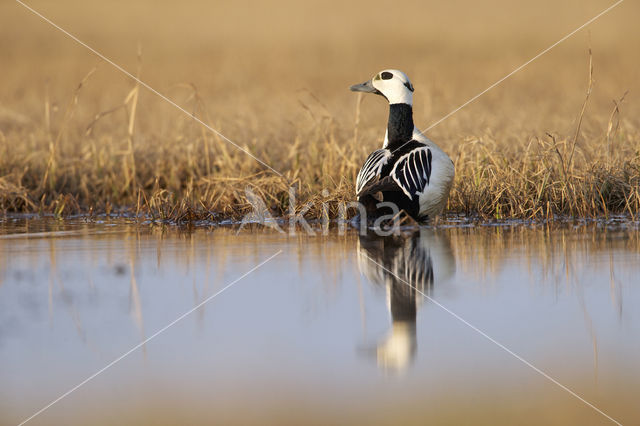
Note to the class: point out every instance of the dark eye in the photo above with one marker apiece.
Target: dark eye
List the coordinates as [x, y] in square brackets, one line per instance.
[386, 75]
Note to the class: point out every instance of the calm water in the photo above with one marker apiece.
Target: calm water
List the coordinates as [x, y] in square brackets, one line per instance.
[326, 332]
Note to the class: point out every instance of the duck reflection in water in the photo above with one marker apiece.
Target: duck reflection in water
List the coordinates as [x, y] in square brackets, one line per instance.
[405, 266]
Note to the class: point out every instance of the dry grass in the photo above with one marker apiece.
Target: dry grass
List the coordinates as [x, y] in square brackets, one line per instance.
[76, 136]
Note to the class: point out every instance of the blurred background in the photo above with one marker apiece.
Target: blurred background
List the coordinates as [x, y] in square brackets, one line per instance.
[255, 63]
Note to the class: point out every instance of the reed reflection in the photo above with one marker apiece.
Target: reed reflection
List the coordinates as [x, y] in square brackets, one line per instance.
[423, 259]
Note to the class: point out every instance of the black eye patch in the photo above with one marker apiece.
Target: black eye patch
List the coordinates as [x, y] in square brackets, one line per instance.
[409, 86]
[386, 75]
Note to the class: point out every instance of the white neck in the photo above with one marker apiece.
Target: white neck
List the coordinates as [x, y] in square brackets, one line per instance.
[402, 96]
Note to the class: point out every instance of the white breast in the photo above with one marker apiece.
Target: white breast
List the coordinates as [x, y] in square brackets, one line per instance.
[434, 197]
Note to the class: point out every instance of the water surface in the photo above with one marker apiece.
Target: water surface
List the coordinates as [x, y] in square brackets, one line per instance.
[327, 332]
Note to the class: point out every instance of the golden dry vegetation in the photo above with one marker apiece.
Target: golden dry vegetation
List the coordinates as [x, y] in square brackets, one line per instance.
[78, 136]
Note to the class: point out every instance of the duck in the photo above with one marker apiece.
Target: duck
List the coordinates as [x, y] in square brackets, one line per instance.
[410, 170]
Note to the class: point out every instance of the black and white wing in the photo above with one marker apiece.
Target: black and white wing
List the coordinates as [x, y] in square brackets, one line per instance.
[412, 171]
[371, 168]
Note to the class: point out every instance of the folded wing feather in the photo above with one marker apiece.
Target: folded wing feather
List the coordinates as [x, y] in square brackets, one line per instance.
[371, 168]
[412, 171]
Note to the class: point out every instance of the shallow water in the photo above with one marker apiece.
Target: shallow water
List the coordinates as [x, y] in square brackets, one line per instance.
[326, 332]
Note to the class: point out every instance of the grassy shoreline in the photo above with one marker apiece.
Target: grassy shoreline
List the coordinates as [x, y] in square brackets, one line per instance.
[559, 175]
[77, 137]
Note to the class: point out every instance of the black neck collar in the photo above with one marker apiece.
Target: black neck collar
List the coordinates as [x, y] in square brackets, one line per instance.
[400, 126]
